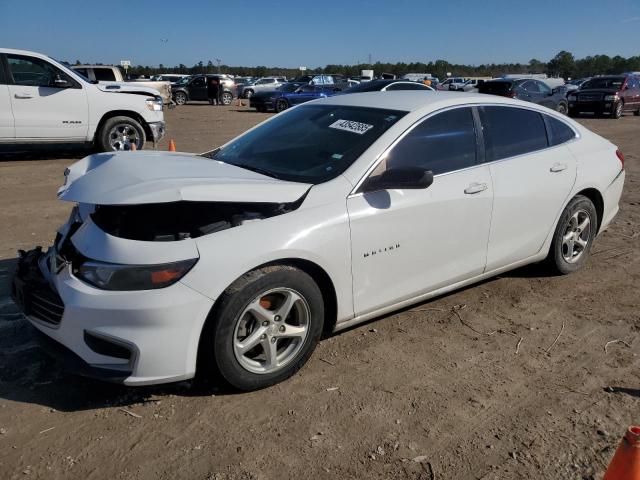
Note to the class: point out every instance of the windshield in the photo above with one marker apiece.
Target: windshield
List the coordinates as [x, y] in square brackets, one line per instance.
[183, 81]
[365, 87]
[604, 82]
[311, 143]
[288, 87]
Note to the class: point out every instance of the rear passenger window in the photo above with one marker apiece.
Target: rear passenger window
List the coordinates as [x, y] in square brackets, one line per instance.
[104, 75]
[559, 132]
[510, 131]
[442, 143]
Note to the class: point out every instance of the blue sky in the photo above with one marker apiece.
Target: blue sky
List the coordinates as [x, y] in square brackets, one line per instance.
[314, 33]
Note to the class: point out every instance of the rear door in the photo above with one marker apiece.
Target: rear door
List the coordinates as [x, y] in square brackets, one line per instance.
[7, 131]
[307, 92]
[40, 109]
[532, 177]
[632, 94]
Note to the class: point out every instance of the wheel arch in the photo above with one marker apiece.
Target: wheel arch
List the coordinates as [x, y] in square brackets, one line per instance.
[315, 271]
[124, 113]
[596, 198]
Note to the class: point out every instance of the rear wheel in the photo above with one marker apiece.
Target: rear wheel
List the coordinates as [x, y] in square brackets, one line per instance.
[266, 327]
[120, 133]
[574, 236]
[281, 105]
[227, 98]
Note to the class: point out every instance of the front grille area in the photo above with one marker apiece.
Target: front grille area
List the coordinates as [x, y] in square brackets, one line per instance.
[45, 305]
[589, 97]
[32, 293]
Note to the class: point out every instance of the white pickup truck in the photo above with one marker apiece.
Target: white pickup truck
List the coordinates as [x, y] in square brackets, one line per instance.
[44, 102]
[109, 74]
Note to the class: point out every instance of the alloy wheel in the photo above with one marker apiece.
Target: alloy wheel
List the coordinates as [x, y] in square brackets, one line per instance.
[271, 330]
[122, 136]
[576, 236]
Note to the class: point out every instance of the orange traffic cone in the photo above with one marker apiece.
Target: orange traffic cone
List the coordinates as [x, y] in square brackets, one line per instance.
[625, 464]
[172, 145]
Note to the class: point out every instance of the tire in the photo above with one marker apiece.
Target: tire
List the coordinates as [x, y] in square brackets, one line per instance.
[568, 255]
[562, 108]
[637, 113]
[248, 93]
[227, 98]
[119, 133]
[180, 98]
[281, 105]
[617, 110]
[247, 312]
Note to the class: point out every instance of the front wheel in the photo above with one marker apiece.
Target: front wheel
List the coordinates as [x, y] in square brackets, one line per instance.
[227, 98]
[120, 133]
[617, 111]
[180, 98]
[562, 108]
[266, 327]
[574, 236]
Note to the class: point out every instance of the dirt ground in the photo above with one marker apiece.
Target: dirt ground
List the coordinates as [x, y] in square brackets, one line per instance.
[418, 394]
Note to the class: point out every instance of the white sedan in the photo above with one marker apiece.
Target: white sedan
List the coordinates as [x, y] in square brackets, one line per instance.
[330, 214]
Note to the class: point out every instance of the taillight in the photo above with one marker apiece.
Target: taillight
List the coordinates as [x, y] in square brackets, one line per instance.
[621, 157]
[512, 94]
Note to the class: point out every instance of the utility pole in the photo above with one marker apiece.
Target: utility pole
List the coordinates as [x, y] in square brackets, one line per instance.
[370, 64]
[219, 61]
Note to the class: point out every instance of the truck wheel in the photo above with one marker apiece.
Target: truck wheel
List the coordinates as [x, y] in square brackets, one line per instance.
[265, 327]
[180, 98]
[119, 133]
[227, 98]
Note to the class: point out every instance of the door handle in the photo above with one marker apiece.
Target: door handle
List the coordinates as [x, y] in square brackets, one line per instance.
[558, 167]
[475, 188]
[23, 95]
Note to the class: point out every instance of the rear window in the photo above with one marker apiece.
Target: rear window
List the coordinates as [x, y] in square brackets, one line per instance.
[559, 132]
[104, 74]
[511, 131]
[311, 143]
[495, 87]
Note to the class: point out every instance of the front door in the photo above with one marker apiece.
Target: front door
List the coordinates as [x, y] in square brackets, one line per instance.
[531, 181]
[408, 242]
[7, 131]
[40, 109]
[198, 89]
[305, 93]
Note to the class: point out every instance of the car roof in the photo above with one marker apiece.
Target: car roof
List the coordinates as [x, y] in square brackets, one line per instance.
[417, 101]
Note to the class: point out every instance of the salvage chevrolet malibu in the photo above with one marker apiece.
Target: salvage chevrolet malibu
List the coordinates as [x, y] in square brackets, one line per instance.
[324, 216]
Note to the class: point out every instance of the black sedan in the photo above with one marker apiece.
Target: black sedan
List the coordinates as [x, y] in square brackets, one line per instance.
[529, 90]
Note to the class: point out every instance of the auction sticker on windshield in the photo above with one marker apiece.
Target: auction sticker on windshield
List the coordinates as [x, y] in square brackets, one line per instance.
[351, 126]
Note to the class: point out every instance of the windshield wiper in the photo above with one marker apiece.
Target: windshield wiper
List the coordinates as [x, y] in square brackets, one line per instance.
[259, 170]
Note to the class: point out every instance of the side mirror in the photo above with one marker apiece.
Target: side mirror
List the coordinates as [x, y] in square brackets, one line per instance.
[403, 178]
[60, 82]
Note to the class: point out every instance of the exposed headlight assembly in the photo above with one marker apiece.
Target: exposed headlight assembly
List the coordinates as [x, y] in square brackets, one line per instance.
[572, 97]
[155, 104]
[112, 276]
[611, 98]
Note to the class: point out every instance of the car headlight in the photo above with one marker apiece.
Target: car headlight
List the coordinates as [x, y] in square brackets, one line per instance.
[611, 98]
[112, 276]
[572, 97]
[155, 104]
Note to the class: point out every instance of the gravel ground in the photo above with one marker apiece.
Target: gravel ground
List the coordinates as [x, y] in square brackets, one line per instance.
[417, 394]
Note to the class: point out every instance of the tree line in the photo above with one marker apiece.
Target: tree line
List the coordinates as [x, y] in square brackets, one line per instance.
[564, 65]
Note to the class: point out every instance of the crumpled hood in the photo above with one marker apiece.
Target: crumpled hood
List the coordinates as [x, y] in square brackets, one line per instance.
[129, 178]
[126, 87]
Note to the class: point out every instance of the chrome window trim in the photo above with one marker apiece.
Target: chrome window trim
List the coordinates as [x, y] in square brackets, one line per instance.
[354, 192]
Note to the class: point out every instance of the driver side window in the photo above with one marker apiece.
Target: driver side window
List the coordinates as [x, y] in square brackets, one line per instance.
[442, 143]
[32, 72]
